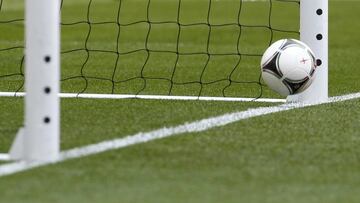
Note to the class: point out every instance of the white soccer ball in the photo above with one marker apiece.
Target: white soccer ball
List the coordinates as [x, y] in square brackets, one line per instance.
[288, 66]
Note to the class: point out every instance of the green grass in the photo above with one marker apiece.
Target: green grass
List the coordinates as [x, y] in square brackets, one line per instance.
[256, 160]
[104, 72]
[306, 155]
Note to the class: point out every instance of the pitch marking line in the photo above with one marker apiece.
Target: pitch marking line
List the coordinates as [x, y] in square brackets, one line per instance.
[160, 97]
[196, 126]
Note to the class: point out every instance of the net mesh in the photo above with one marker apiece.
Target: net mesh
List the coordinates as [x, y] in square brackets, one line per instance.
[163, 47]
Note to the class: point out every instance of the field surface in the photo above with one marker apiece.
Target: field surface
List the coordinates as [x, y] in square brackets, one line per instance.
[303, 155]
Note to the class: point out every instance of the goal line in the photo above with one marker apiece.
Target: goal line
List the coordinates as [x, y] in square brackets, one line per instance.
[152, 97]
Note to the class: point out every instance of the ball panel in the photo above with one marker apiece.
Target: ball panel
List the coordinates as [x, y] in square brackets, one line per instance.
[275, 84]
[289, 43]
[308, 49]
[271, 51]
[305, 85]
[272, 66]
[297, 86]
[295, 63]
[296, 75]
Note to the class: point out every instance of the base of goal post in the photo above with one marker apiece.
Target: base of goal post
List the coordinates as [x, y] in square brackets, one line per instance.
[17, 148]
[37, 144]
[4, 157]
[314, 32]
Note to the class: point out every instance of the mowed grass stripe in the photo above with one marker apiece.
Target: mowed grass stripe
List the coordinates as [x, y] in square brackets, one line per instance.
[196, 126]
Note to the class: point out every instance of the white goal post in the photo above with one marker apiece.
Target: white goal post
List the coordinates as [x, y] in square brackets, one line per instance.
[314, 32]
[39, 140]
[40, 137]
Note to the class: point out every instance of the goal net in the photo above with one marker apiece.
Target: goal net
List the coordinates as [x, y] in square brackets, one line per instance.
[164, 49]
[156, 47]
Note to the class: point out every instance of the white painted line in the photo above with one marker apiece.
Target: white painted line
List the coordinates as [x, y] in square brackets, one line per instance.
[4, 157]
[196, 126]
[164, 97]
[12, 94]
[153, 97]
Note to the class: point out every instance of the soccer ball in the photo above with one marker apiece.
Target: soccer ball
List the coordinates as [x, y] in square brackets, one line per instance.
[288, 66]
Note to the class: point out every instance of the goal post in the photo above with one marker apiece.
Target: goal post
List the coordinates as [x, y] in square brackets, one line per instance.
[314, 32]
[39, 140]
